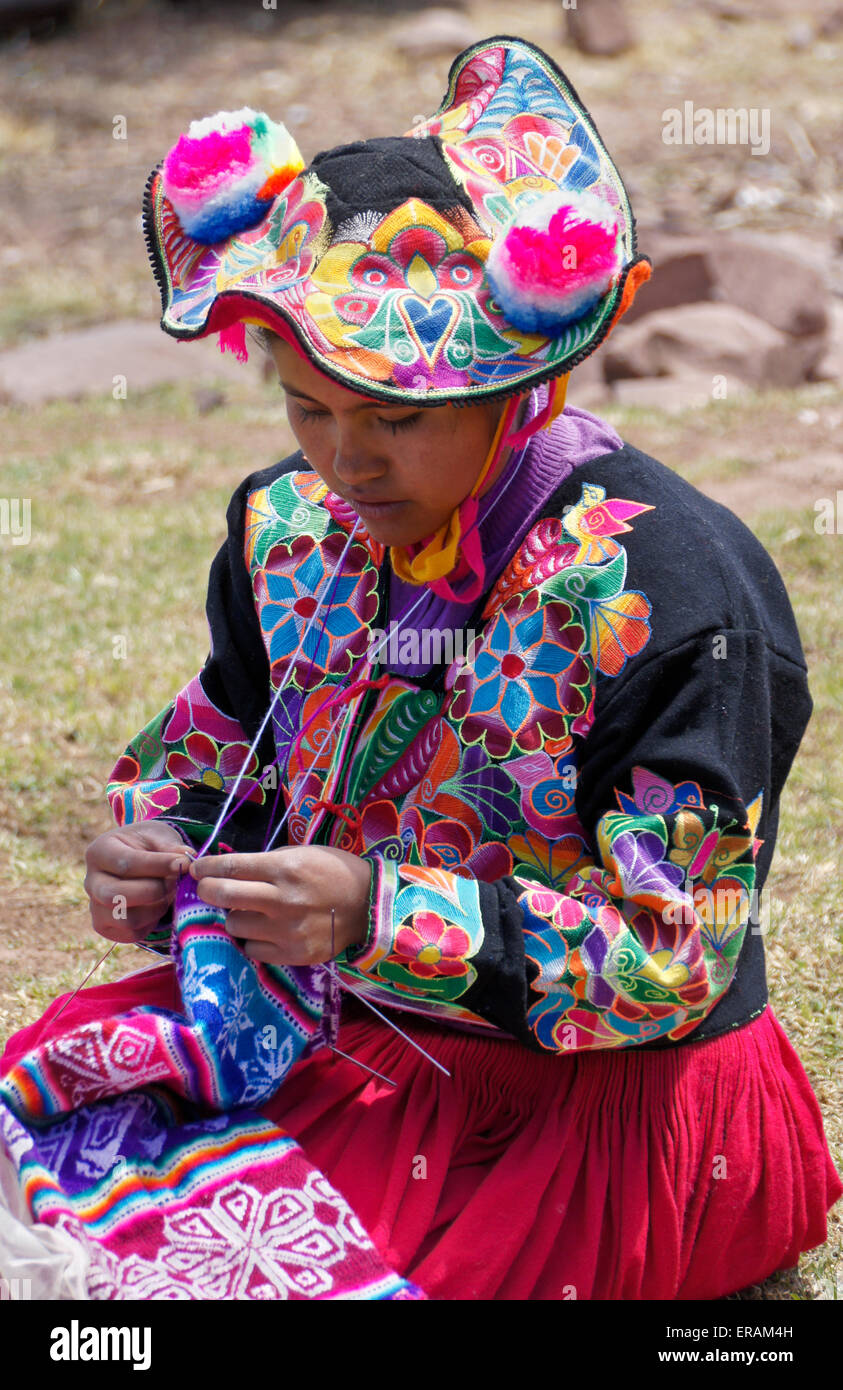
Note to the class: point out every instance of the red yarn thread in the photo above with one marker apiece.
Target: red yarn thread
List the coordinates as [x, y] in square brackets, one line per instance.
[349, 814]
[351, 690]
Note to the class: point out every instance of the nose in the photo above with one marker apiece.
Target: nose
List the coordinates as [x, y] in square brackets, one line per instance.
[356, 462]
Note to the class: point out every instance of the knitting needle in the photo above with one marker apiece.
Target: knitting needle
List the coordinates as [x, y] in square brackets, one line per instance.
[358, 1063]
[85, 981]
[343, 984]
[332, 974]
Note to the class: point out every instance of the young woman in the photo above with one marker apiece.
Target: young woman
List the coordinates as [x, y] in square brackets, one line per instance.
[478, 785]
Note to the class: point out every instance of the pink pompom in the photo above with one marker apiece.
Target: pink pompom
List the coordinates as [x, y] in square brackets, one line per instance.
[555, 261]
[193, 167]
[570, 255]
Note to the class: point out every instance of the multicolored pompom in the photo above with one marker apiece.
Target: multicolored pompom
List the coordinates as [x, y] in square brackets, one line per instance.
[222, 176]
[555, 261]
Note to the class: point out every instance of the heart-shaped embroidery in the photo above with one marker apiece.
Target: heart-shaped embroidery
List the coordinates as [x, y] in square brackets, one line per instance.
[429, 322]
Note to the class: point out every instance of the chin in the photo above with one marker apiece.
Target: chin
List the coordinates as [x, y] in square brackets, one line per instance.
[389, 532]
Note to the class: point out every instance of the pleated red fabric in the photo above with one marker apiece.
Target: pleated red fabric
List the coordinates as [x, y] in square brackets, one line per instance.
[687, 1173]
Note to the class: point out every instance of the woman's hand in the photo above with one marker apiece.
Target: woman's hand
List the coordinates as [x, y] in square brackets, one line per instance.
[279, 903]
[132, 876]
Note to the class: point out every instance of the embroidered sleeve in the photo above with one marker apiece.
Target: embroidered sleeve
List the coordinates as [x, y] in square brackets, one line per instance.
[631, 894]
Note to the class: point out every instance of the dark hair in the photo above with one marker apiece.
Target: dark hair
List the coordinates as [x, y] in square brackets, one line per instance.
[264, 338]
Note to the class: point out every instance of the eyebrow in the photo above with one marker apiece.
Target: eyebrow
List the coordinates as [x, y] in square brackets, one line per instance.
[294, 391]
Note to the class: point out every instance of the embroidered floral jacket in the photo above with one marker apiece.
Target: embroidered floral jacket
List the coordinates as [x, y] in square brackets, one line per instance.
[569, 828]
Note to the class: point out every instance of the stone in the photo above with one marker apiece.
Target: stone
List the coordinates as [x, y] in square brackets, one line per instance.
[796, 360]
[831, 25]
[800, 36]
[681, 274]
[435, 30]
[600, 27]
[86, 362]
[820, 252]
[588, 386]
[769, 282]
[207, 399]
[829, 367]
[589, 396]
[783, 278]
[718, 340]
[688, 390]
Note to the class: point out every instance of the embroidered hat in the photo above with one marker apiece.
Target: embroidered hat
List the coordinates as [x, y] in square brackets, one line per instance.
[490, 249]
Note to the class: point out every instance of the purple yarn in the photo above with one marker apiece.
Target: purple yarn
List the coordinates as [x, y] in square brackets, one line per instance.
[576, 437]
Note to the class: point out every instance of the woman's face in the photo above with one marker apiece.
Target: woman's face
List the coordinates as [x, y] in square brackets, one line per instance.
[403, 469]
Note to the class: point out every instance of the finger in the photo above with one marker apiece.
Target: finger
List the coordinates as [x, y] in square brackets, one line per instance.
[104, 888]
[138, 923]
[265, 953]
[258, 867]
[111, 930]
[281, 953]
[239, 896]
[256, 926]
[124, 861]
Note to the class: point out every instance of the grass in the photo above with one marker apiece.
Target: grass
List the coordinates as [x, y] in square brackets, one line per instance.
[128, 501]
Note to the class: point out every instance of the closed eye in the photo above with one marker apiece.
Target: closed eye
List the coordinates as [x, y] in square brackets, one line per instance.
[305, 414]
[405, 423]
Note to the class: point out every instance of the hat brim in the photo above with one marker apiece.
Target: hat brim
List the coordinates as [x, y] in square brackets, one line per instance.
[395, 305]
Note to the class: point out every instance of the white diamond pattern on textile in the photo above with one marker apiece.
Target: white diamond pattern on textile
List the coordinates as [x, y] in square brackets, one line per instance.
[120, 1064]
[246, 1244]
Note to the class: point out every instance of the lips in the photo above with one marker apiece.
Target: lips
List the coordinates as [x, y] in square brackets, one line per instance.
[374, 505]
[368, 501]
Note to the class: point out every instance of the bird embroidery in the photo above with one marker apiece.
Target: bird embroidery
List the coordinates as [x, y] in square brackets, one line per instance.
[592, 522]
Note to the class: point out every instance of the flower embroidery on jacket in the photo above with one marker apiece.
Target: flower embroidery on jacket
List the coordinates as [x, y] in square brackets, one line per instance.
[289, 591]
[524, 681]
[428, 946]
[203, 760]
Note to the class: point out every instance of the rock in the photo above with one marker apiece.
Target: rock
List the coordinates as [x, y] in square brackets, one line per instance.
[720, 340]
[832, 24]
[207, 399]
[588, 386]
[767, 281]
[86, 362]
[800, 36]
[599, 27]
[796, 360]
[729, 12]
[589, 397]
[681, 274]
[590, 371]
[689, 390]
[829, 367]
[820, 253]
[435, 30]
[783, 279]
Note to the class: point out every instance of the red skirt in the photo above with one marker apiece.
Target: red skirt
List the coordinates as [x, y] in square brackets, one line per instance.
[687, 1173]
